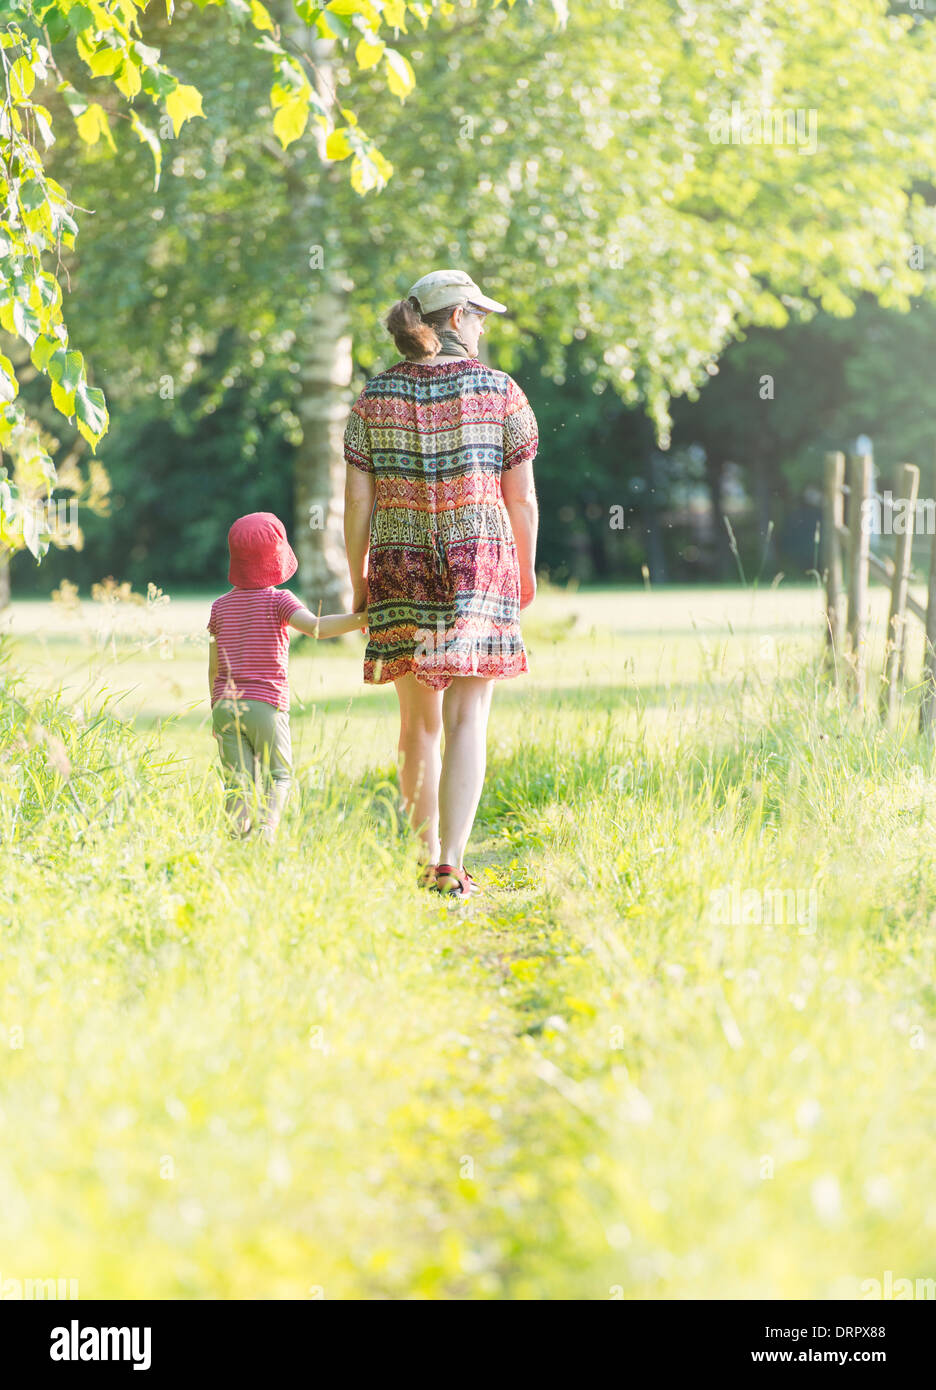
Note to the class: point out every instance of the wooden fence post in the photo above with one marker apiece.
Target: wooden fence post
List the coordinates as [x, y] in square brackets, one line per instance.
[897, 619]
[928, 694]
[859, 483]
[833, 517]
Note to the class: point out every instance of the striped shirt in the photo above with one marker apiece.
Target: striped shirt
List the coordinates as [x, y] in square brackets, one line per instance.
[251, 629]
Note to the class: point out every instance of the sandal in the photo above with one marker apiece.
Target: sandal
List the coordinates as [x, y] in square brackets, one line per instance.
[463, 886]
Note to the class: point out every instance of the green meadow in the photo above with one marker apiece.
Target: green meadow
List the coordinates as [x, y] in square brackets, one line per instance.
[230, 1070]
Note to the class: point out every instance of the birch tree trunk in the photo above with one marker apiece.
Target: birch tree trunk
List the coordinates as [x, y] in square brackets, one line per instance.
[324, 347]
[323, 350]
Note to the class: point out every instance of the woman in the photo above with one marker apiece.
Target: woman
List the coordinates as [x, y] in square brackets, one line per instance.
[440, 528]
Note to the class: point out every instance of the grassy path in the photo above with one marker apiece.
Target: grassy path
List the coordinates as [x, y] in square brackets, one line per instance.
[230, 1071]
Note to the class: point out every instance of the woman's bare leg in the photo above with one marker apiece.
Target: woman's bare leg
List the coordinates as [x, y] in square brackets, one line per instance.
[465, 708]
[420, 758]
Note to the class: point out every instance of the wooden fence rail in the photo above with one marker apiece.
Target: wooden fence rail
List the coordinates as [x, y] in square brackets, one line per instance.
[846, 557]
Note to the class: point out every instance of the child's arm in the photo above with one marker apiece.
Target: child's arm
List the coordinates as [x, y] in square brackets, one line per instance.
[329, 625]
[212, 664]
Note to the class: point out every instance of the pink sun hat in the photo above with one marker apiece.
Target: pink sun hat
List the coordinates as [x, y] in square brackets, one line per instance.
[261, 556]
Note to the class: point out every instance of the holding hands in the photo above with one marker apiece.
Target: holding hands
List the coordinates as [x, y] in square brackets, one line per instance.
[329, 624]
[359, 603]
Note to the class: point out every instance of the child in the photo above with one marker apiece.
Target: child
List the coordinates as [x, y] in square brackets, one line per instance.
[249, 663]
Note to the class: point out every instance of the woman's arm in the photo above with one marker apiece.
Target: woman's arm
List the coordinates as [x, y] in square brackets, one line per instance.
[329, 625]
[520, 501]
[360, 490]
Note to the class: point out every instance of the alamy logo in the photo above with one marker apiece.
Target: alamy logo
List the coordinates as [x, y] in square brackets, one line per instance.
[734, 906]
[897, 1289]
[55, 516]
[888, 515]
[434, 648]
[766, 125]
[77, 1343]
[16, 1289]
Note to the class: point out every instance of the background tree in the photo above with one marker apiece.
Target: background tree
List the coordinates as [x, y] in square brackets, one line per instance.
[37, 216]
[582, 179]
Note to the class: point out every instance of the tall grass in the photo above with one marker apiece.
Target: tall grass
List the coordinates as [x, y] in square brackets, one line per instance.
[234, 1070]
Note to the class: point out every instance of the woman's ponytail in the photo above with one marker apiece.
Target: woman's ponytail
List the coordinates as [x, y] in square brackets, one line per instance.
[412, 335]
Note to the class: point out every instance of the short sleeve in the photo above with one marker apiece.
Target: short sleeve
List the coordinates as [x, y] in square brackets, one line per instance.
[357, 450]
[212, 622]
[521, 436]
[286, 605]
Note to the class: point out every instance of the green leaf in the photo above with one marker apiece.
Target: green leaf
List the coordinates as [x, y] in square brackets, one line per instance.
[9, 387]
[369, 52]
[31, 194]
[64, 401]
[127, 80]
[333, 26]
[66, 369]
[42, 350]
[149, 137]
[75, 102]
[400, 76]
[31, 530]
[79, 18]
[261, 16]
[44, 122]
[46, 291]
[352, 7]
[149, 57]
[93, 123]
[22, 79]
[66, 226]
[26, 321]
[182, 103]
[158, 84]
[369, 169]
[56, 25]
[291, 120]
[91, 413]
[337, 145]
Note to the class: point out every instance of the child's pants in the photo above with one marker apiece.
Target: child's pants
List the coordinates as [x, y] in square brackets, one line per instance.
[255, 747]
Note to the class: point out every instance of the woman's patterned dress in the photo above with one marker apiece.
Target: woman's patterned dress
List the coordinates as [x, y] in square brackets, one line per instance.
[443, 580]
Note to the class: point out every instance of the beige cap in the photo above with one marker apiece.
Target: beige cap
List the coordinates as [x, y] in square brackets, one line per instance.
[442, 288]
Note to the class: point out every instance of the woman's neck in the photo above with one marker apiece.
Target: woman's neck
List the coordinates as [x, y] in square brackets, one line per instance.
[451, 343]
